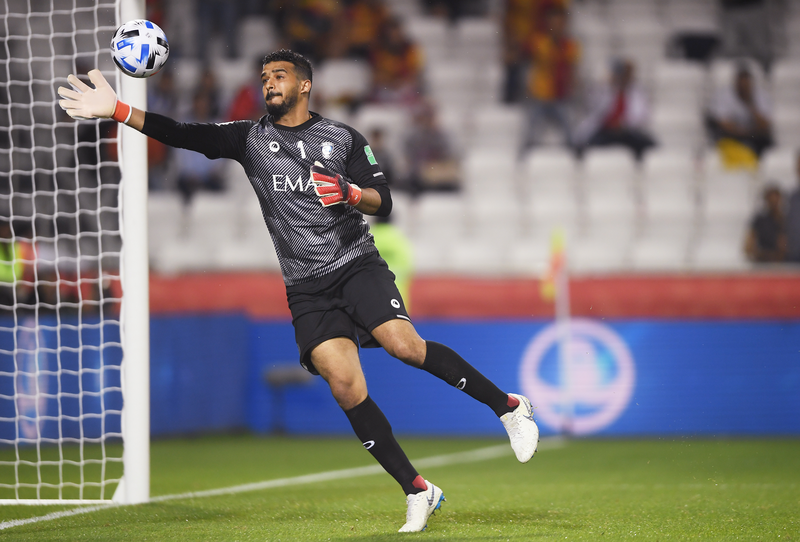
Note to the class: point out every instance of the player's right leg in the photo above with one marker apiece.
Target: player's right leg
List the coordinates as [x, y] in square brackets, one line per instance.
[401, 340]
[337, 362]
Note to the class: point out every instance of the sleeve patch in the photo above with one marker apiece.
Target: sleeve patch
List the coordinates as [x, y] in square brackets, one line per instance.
[370, 156]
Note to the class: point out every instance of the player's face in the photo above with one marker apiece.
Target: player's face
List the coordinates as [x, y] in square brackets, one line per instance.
[280, 87]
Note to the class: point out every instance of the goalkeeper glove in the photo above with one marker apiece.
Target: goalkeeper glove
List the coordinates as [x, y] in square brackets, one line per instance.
[100, 102]
[332, 188]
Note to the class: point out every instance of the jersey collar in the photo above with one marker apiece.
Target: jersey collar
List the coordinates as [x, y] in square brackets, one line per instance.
[315, 118]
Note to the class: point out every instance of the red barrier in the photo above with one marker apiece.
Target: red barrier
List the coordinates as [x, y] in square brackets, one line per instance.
[728, 296]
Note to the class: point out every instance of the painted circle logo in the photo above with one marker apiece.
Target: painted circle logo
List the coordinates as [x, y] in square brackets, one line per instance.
[599, 369]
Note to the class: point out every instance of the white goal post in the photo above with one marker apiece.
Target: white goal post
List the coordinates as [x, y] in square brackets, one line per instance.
[74, 308]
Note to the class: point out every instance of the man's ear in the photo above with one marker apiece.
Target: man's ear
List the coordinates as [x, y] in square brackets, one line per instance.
[305, 87]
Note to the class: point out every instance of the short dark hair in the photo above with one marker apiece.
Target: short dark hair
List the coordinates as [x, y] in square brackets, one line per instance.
[302, 66]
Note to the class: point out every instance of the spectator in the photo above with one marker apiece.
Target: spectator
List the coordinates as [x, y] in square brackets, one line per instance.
[248, 104]
[361, 23]
[195, 171]
[208, 87]
[618, 115]
[382, 155]
[554, 57]
[793, 219]
[766, 240]
[162, 99]
[739, 121]
[216, 15]
[431, 160]
[746, 30]
[396, 67]
[396, 249]
[309, 26]
[453, 10]
[11, 266]
[522, 19]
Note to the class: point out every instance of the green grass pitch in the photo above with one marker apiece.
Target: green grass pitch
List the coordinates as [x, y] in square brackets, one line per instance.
[665, 489]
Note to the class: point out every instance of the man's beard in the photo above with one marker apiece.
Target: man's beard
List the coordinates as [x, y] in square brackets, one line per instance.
[279, 110]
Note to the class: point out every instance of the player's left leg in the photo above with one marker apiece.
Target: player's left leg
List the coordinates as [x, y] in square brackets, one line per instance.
[337, 362]
[400, 339]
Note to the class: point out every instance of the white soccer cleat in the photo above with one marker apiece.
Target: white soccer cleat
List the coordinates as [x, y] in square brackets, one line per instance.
[420, 507]
[522, 430]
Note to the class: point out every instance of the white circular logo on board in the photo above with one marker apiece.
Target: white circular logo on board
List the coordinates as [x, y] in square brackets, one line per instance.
[599, 367]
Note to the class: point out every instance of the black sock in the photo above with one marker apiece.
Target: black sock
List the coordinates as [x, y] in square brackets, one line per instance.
[375, 432]
[446, 364]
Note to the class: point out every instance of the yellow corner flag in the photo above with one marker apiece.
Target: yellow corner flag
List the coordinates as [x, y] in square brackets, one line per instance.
[548, 282]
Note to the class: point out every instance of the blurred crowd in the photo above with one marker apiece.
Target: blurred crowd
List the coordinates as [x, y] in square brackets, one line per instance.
[322, 30]
[540, 60]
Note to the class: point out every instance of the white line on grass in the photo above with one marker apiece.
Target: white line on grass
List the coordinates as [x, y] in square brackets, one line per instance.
[472, 456]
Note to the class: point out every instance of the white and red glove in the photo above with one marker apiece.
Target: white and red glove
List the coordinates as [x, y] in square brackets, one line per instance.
[100, 102]
[332, 188]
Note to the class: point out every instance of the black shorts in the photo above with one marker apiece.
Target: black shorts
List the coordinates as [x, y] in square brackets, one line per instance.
[348, 302]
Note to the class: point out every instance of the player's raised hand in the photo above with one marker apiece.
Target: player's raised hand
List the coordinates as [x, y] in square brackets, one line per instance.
[332, 188]
[85, 102]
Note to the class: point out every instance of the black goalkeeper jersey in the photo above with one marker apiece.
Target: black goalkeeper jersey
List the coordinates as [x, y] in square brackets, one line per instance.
[310, 240]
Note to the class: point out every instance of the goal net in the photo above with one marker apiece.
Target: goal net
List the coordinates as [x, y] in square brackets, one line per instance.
[62, 267]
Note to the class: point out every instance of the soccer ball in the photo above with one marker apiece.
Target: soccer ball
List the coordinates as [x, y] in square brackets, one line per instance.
[139, 48]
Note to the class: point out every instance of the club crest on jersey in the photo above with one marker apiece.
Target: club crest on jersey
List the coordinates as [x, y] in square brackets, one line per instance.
[327, 150]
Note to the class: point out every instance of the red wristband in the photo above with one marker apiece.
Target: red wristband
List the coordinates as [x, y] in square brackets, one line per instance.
[122, 112]
[355, 194]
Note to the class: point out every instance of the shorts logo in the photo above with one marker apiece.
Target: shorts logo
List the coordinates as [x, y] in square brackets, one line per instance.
[274, 146]
[369, 444]
[370, 156]
[591, 389]
[327, 149]
[395, 304]
[462, 384]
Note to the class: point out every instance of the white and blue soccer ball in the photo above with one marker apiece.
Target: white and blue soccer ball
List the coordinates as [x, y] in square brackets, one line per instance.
[139, 48]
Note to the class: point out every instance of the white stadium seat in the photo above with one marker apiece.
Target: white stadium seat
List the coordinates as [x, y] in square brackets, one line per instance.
[342, 78]
[721, 246]
[609, 165]
[431, 254]
[786, 82]
[545, 165]
[165, 215]
[485, 171]
[441, 216]
[213, 217]
[663, 245]
[668, 198]
[609, 177]
[727, 197]
[253, 250]
[498, 127]
[779, 166]
[256, 37]
[530, 256]
[787, 125]
[678, 83]
[676, 126]
[480, 256]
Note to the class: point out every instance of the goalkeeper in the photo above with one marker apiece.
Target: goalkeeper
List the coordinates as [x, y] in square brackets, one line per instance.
[315, 178]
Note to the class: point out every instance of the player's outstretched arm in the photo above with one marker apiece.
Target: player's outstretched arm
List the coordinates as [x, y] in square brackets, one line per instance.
[100, 102]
